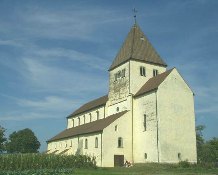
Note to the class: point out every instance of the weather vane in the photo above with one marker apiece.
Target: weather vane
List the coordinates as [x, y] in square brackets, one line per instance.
[134, 12]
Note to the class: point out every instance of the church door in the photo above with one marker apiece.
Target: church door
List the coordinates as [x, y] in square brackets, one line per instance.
[118, 160]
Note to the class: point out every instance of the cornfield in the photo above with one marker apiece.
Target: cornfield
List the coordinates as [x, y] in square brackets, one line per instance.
[21, 162]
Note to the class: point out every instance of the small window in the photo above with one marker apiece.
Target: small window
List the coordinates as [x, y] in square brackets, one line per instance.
[146, 156]
[86, 144]
[97, 113]
[119, 74]
[84, 119]
[123, 73]
[155, 72]
[71, 143]
[90, 115]
[73, 122]
[65, 144]
[145, 122]
[142, 71]
[179, 156]
[96, 142]
[118, 109]
[78, 121]
[116, 128]
[120, 142]
[115, 77]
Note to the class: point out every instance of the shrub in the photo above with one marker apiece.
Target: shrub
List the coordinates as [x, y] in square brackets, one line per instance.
[184, 164]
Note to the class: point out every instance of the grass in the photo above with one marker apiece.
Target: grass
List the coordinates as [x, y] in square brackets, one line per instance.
[43, 164]
[150, 169]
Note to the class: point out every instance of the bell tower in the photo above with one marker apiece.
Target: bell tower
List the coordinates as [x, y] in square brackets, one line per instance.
[136, 62]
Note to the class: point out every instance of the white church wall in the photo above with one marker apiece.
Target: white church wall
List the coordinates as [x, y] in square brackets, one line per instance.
[76, 145]
[136, 80]
[118, 107]
[176, 120]
[119, 89]
[81, 116]
[119, 128]
[145, 135]
[91, 150]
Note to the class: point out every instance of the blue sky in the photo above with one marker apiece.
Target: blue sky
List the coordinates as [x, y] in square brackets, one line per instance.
[54, 55]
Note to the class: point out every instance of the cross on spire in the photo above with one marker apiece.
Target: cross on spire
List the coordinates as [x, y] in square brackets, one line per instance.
[134, 12]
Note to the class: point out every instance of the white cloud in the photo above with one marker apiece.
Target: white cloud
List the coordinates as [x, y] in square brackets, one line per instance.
[208, 110]
[52, 78]
[15, 43]
[20, 116]
[60, 53]
[49, 103]
[75, 22]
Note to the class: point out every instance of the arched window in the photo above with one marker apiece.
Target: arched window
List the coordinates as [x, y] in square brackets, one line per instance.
[96, 142]
[90, 117]
[86, 144]
[146, 156]
[97, 112]
[179, 156]
[116, 128]
[142, 71]
[120, 142]
[84, 118]
[155, 72]
[78, 121]
[145, 122]
[65, 144]
[73, 122]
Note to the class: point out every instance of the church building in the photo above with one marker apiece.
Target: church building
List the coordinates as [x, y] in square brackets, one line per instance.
[147, 116]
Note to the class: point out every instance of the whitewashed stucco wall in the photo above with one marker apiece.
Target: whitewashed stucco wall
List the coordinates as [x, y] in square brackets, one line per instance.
[145, 141]
[110, 140]
[86, 114]
[136, 80]
[176, 120]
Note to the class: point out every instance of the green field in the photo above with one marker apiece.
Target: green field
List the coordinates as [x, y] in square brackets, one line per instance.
[150, 169]
[138, 169]
[50, 164]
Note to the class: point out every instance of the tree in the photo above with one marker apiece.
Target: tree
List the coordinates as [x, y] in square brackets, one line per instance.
[200, 141]
[2, 139]
[207, 151]
[23, 141]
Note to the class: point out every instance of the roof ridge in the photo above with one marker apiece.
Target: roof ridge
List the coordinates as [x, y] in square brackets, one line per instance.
[95, 126]
[90, 105]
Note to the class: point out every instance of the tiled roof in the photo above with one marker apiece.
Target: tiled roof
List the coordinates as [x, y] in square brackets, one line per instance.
[90, 105]
[91, 127]
[137, 47]
[153, 83]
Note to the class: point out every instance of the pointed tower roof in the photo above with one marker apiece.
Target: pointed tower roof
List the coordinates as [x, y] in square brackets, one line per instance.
[137, 47]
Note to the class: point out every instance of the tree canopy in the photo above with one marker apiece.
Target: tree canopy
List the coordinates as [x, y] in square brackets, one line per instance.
[2, 139]
[23, 141]
[206, 151]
